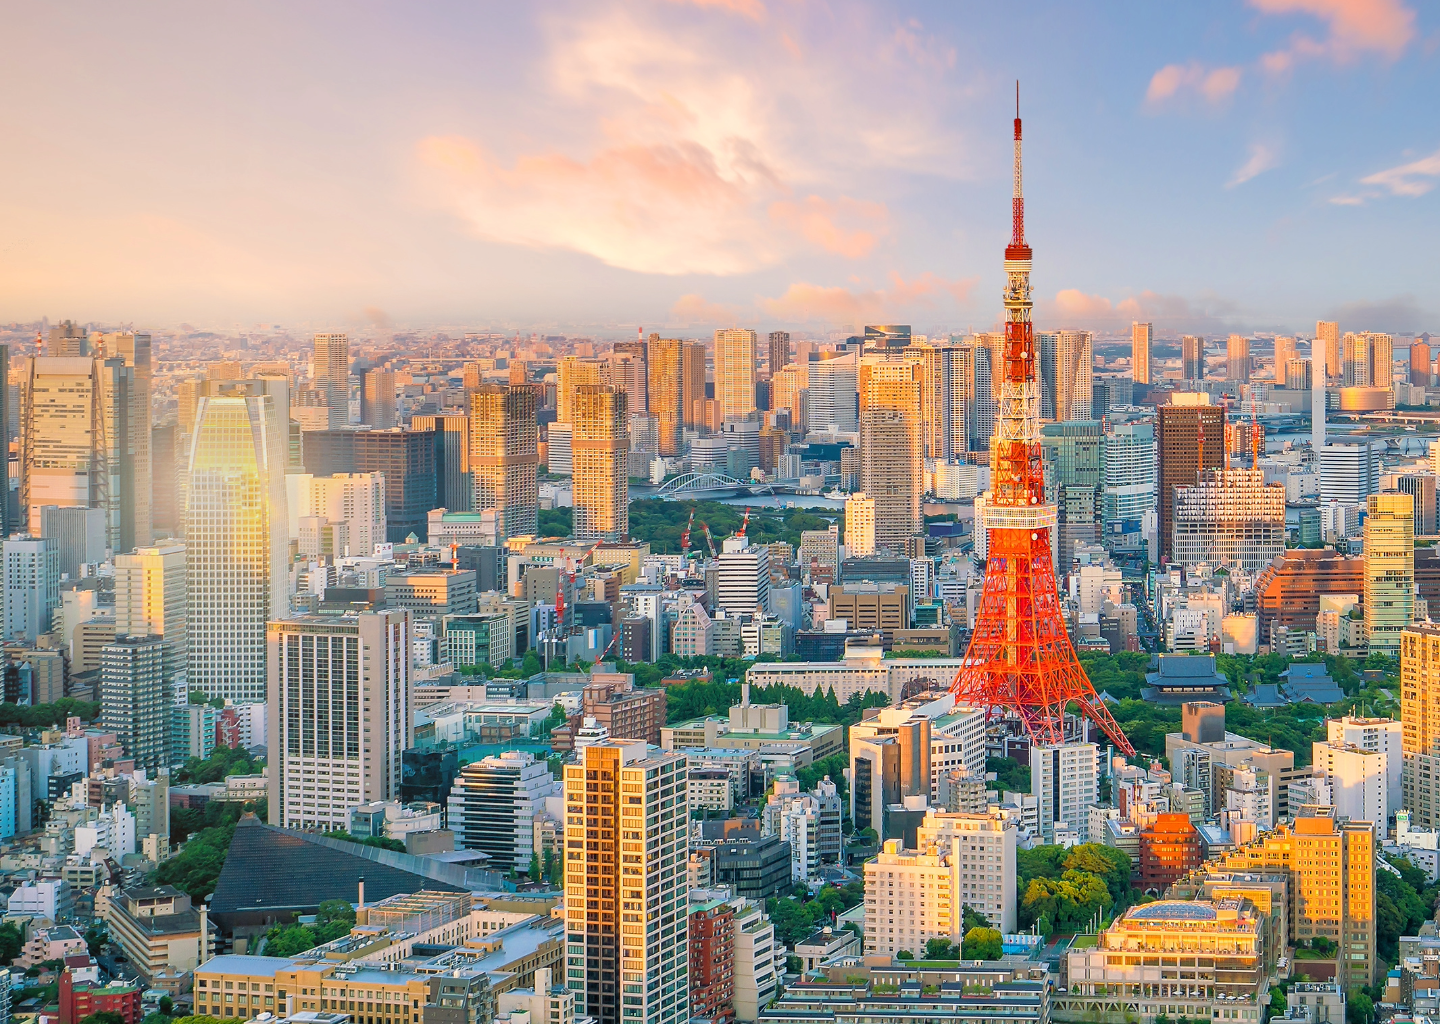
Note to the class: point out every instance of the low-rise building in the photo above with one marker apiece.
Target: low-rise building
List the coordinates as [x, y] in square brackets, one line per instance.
[157, 928]
[79, 999]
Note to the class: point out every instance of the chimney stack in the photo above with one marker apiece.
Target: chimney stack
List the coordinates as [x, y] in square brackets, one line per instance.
[362, 893]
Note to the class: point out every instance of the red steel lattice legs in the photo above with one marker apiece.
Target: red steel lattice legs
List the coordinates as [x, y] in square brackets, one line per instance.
[1020, 657]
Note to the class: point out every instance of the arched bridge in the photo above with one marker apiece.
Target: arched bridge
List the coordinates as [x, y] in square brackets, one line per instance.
[692, 482]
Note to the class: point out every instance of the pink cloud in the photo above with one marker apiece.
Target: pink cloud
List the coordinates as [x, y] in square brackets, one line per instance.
[818, 222]
[804, 302]
[753, 9]
[1214, 85]
[1385, 27]
[694, 309]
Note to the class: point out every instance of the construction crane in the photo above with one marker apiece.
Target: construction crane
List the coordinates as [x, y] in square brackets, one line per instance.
[744, 523]
[685, 537]
[709, 540]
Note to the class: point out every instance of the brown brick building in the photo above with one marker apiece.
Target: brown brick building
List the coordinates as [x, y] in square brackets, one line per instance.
[1179, 454]
[1288, 590]
[628, 711]
[712, 961]
[1169, 850]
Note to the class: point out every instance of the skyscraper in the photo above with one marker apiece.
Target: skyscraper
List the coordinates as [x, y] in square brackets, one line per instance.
[891, 451]
[135, 699]
[1284, 352]
[455, 490]
[859, 525]
[1190, 436]
[831, 394]
[626, 811]
[1389, 569]
[504, 455]
[377, 399]
[666, 392]
[1142, 336]
[570, 373]
[1074, 376]
[237, 542]
[983, 406]
[1420, 723]
[779, 350]
[136, 469]
[735, 361]
[493, 805]
[1419, 364]
[1046, 370]
[600, 449]
[332, 375]
[150, 601]
[692, 384]
[338, 714]
[1237, 357]
[1327, 341]
[626, 371]
[75, 444]
[1357, 362]
[1128, 498]
[1192, 357]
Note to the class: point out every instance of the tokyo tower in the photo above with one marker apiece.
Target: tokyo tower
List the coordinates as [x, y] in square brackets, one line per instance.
[1020, 657]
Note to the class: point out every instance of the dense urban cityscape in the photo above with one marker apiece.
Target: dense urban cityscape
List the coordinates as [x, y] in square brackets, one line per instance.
[797, 670]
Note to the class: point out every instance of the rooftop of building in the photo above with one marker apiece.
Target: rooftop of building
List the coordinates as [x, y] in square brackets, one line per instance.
[240, 963]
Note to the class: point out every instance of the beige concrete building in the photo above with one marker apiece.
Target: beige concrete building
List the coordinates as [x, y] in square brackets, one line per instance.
[504, 453]
[150, 600]
[1074, 374]
[736, 361]
[891, 447]
[1142, 338]
[157, 928]
[1389, 569]
[600, 449]
[859, 525]
[1420, 723]
[1325, 350]
[572, 373]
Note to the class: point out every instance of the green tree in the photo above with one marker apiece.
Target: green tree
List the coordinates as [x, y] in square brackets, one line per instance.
[167, 1005]
[982, 944]
[11, 941]
[1106, 861]
[904, 954]
[1359, 1009]
[972, 919]
[534, 871]
[103, 1017]
[939, 949]
[1277, 1001]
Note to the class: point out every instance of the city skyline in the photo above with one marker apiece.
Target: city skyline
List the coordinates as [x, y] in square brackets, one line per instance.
[757, 181]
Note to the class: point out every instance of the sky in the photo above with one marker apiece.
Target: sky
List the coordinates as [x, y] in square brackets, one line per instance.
[680, 165]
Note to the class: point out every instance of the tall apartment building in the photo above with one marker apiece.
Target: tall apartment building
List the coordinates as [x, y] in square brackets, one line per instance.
[1190, 437]
[622, 708]
[1327, 340]
[692, 384]
[779, 354]
[454, 489]
[600, 449]
[493, 805]
[377, 399]
[1330, 865]
[927, 357]
[573, 372]
[337, 715]
[831, 387]
[736, 359]
[625, 370]
[150, 601]
[860, 525]
[504, 455]
[1284, 352]
[1074, 374]
[1129, 485]
[355, 499]
[1142, 339]
[666, 391]
[135, 699]
[1065, 782]
[1368, 360]
[712, 952]
[1192, 357]
[236, 539]
[31, 586]
[331, 373]
[1237, 357]
[1229, 517]
[1389, 569]
[891, 449]
[1420, 366]
[627, 890]
[1358, 782]
[1420, 722]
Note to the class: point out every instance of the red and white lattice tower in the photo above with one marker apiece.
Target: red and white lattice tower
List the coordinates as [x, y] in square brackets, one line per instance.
[1020, 658]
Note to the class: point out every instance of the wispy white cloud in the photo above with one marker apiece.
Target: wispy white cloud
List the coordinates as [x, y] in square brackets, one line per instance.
[804, 302]
[1263, 157]
[1383, 27]
[1409, 180]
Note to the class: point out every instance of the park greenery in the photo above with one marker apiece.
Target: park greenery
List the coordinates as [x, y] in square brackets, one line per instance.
[221, 763]
[1066, 890]
[662, 523]
[698, 699]
[333, 919]
[395, 845]
[798, 915]
[40, 716]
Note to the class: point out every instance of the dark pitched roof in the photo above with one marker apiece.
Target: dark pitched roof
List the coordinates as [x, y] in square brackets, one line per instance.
[1265, 695]
[275, 869]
